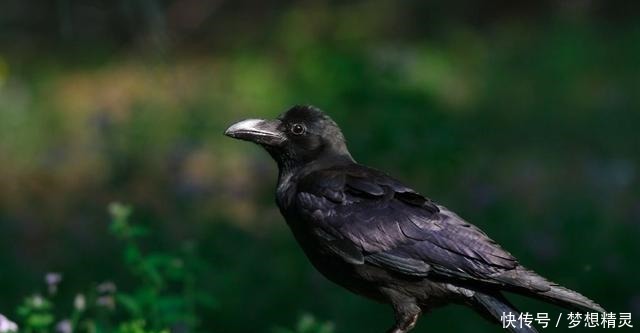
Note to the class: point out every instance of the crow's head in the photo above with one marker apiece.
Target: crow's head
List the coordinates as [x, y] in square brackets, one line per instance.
[301, 135]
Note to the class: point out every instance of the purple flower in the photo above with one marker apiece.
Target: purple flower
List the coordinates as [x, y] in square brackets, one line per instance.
[107, 287]
[107, 302]
[52, 279]
[64, 326]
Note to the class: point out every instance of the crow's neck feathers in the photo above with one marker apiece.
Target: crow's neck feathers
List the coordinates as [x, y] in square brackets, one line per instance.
[290, 171]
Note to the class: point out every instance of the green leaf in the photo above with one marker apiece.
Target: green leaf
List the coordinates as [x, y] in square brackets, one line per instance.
[40, 320]
[129, 303]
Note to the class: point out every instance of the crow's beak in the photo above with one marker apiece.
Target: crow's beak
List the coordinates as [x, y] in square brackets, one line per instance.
[264, 132]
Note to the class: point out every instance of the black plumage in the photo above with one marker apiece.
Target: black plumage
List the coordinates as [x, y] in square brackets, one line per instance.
[375, 236]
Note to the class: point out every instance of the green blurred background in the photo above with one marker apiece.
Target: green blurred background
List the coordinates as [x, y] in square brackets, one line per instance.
[522, 118]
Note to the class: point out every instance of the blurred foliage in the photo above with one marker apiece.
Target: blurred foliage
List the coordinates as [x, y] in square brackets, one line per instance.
[170, 294]
[307, 324]
[522, 118]
[167, 296]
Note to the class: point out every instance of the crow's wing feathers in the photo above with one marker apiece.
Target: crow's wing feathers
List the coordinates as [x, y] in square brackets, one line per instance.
[402, 264]
[392, 226]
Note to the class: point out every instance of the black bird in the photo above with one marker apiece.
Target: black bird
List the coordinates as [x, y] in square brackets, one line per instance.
[377, 237]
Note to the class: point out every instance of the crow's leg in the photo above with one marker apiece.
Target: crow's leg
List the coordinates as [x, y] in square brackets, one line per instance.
[404, 322]
[406, 311]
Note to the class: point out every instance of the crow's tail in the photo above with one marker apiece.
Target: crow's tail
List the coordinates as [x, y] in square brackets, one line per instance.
[498, 309]
[569, 299]
[538, 287]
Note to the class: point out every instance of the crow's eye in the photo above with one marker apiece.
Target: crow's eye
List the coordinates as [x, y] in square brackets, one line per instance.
[298, 129]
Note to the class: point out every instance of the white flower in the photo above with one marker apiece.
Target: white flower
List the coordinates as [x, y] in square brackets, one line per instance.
[37, 301]
[7, 325]
[79, 302]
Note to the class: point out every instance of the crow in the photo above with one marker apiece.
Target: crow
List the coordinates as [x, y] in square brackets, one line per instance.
[375, 236]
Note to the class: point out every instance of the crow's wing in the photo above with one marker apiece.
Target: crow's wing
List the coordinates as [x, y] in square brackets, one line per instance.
[366, 216]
